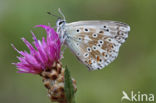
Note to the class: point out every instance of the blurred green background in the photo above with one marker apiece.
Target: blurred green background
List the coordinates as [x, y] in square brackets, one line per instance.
[134, 69]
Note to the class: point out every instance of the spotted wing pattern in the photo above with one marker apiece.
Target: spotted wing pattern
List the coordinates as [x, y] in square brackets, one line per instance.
[96, 43]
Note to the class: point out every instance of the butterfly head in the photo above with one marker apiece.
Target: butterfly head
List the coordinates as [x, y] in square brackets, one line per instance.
[60, 23]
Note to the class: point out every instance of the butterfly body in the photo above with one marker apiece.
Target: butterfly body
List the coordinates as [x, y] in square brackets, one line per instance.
[95, 43]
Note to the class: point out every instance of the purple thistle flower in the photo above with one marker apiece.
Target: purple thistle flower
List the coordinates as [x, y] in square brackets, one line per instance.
[46, 53]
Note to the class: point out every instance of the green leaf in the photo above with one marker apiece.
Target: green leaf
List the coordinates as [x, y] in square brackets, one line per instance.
[69, 89]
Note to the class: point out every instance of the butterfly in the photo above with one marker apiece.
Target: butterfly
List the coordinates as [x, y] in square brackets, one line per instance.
[95, 43]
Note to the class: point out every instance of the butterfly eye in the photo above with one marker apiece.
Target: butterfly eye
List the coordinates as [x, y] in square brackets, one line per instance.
[61, 22]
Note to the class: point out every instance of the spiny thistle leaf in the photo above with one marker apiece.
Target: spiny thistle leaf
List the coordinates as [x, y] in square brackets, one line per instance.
[69, 89]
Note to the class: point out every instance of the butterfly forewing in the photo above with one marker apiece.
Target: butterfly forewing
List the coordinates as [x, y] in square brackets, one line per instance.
[96, 43]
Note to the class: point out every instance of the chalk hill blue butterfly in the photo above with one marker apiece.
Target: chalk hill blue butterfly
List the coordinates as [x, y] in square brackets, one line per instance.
[95, 43]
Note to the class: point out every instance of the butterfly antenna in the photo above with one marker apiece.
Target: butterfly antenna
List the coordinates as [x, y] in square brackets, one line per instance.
[59, 10]
[53, 14]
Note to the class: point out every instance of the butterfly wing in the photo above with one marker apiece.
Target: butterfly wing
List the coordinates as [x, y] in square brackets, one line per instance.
[96, 43]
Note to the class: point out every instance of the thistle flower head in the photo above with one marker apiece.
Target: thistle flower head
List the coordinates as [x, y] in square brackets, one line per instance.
[44, 60]
[45, 53]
